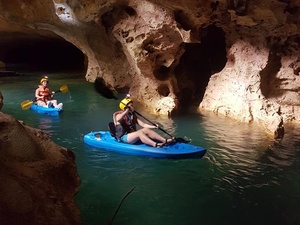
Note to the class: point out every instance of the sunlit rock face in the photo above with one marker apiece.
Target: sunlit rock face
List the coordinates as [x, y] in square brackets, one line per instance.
[239, 58]
[38, 178]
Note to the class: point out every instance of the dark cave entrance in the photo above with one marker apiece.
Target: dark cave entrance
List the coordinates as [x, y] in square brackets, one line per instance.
[198, 63]
[26, 53]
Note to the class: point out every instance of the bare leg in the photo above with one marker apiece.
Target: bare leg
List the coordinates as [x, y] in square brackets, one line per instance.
[54, 102]
[147, 136]
[140, 135]
[41, 103]
[153, 135]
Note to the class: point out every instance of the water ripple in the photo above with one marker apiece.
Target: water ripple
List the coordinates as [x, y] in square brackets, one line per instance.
[245, 157]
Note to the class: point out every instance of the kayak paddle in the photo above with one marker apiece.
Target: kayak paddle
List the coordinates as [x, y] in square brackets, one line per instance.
[27, 103]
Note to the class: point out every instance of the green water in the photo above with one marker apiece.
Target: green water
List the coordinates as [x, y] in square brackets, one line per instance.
[245, 177]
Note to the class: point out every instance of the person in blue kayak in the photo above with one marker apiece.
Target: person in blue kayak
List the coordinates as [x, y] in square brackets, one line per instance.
[43, 96]
[125, 122]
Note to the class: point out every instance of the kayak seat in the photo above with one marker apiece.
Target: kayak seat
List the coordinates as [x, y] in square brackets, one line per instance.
[112, 129]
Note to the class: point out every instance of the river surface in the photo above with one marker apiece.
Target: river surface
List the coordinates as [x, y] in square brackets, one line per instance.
[246, 177]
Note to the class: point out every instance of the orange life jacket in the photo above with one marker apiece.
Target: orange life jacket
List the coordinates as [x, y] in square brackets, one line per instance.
[45, 91]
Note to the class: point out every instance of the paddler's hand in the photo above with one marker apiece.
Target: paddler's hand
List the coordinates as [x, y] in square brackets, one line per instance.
[130, 108]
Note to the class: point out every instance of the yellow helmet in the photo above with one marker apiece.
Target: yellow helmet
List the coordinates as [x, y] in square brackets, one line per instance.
[124, 103]
[44, 79]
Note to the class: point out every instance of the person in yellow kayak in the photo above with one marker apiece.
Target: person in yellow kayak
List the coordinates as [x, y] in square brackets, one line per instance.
[43, 96]
[125, 127]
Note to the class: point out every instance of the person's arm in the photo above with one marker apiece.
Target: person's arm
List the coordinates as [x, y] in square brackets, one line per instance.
[37, 93]
[120, 116]
[50, 93]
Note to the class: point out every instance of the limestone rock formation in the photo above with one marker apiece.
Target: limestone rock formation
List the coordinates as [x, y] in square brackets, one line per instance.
[38, 178]
[1, 100]
[235, 57]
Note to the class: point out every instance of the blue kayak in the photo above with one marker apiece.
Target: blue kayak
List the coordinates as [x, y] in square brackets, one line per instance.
[47, 111]
[176, 150]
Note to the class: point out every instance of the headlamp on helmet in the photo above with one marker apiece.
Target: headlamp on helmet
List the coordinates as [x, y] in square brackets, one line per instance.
[123, 104]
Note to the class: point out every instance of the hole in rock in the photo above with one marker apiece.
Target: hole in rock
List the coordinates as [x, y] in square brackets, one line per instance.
[115, 15]
[163, 90]
[162, 73]
[198, 63]
[183, 19]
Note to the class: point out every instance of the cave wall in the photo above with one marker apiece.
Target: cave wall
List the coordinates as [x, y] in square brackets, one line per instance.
[235, 57]
[260, 81]
[1, 100]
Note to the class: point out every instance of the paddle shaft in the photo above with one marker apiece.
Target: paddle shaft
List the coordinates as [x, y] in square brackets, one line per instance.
[62, 89]
[153, 124]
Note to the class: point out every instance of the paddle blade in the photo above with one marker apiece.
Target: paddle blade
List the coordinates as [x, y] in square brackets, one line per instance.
[101, 88]
[26, 104]
[64, 89]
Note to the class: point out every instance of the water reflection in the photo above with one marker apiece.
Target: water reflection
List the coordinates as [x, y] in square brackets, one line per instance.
[244, 156]
[48, 124]
[284, 152]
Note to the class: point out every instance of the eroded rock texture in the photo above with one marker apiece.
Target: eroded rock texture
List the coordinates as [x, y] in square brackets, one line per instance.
[1, 100]
[38, 178]
[235, 57]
